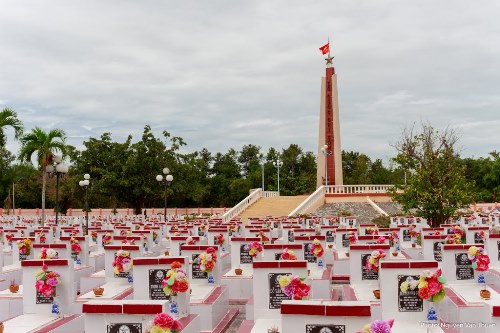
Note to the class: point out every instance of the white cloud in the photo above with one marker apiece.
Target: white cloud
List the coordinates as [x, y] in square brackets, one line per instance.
[223, 74]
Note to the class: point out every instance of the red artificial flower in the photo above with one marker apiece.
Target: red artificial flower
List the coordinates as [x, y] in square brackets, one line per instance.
[483, 263]
[164, 320]
[209, 265]
[176, 265]
[424, 293]
[182, 286]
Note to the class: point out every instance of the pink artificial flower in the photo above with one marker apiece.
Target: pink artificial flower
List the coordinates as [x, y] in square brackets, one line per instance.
[164, 320]
[434, 285]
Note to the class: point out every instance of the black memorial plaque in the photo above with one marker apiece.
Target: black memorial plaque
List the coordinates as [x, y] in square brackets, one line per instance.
[330, 237]
[498, 247]
[74, 255]
[438, 251]
[276, 225]
[449, 231]
[201, 233]
[156, 277]
[276, 295]
[308, 255]
[464, 268]
[245, 257]
[367, 232]
[478, 239]
[406, 235]
[180, 247]
[277, 256]
[42, 299]
[367, 274]
[409, 301]
[291, 236]
[345, 240]
[124, 328]
[197, 273]
[320, 328]
[351, 223]
[402, 220]
[23, 257]
[121, 274]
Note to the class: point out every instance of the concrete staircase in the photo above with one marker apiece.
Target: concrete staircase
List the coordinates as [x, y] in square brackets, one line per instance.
[274, 206]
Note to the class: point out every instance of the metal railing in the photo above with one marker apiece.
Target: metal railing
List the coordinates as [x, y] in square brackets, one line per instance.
[255, 195]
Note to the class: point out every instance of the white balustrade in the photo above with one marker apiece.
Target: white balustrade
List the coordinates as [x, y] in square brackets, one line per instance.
[255, 195]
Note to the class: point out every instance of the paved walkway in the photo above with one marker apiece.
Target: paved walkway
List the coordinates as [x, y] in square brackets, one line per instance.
[235, 325]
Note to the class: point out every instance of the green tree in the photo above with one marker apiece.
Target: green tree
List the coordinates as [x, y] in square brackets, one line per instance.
[436, 185]
[45, 145]
[8, 117]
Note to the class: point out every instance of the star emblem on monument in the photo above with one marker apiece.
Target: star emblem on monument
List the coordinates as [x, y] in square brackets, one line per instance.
[329, 60]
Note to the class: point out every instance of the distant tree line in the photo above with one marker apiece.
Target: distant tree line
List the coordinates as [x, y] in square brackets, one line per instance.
[123, 173]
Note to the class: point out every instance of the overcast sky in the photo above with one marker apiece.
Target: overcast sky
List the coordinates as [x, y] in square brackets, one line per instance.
[222, 74]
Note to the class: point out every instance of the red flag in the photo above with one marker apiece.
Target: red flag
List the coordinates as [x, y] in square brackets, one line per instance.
[325, 48]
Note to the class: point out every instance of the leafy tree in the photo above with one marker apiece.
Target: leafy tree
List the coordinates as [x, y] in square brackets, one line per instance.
[45, 145]
[436, 185]
[8, 117]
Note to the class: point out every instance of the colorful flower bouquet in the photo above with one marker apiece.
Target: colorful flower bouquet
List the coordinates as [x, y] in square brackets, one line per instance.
[164, 323]
[413, 232]
[176, 280]
[207, 260]
[482, 235]
[24, 246]
[430, 286]
[42, 238]
[316, 248]
[75, 246]
[106, 240]
[372, 230]
[453, 239]
[94, 236]
[125, 233]
[263, 237]
[372, 263]
[8, 237]
[378, 326]
[190, 241]
[351, 236]
[122, 262]
[480, 261]
[394, 238]
[294, 287]
[46, 282]
[234, 228]
[288, 255]
[155, 236]
[457, 230]
[381, 240]
[219, 239]
[48, 254]
[254, 248]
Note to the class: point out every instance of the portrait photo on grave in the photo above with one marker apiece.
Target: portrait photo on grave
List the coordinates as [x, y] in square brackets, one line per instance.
[325, 328]
[124, 328]
[464, 270]
[438, 251]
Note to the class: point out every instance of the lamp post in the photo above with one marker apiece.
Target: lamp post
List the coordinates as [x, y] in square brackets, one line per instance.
[84, 184]
[166, 182]
[59, 170]
[278, 164]
[326, 153]
[262, 162]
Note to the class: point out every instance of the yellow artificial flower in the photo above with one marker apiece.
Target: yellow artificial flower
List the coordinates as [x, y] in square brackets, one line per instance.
[422, 284]
[404, 286]
[284, 280]
[472, 250]
[367, 329]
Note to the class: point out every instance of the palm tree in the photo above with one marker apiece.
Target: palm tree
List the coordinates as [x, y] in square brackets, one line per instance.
[45, 144]
[8, 117]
